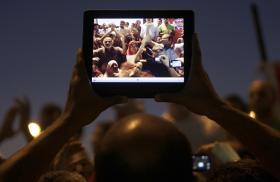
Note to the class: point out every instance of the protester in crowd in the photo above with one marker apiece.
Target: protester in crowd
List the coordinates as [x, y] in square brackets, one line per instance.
[103, 29]
[96, 29]
[21, 108]
[134, 35]
[123, 29]
[160, 56]
[108, 53]
[21, 165]
[198, 129]
[165, 27]
[143, 147]
[61, 176]
[149, 29]
[73, 157]
[117, 37]
[168, 47]
[133, 106]
[262, 100]
[126, 25]
[7, 129]
[237, 102]
[179, 48]
[230, 149]
[201, 98]
[138, 25]
[244, 170]
[133, 48]
[112, 69]
[159, 22]
[98, 134]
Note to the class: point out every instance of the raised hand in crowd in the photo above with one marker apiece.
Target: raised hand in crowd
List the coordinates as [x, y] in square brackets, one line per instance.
[24, 110]
[7, 129]
[200, 97]
[82, 107]
[20, 108]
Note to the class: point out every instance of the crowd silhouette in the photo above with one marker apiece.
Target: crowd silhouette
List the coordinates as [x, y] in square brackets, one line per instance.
[137, 146]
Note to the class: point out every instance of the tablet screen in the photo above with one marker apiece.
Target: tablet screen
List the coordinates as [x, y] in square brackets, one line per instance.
[134, 50]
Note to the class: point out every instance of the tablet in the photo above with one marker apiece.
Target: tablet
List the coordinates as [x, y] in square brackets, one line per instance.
[137, 53]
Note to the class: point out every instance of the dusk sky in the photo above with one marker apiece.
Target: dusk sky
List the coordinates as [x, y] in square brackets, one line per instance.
[38, 41]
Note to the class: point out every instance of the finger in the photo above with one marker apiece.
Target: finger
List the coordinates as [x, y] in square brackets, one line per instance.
[77, 67]
[79, 59]
[80, 65]
[79, 56]
[196, 52]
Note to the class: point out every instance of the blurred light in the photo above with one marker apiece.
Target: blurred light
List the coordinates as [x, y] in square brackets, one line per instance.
[132, 125]
[34, 129]
[252, 114]
[200, 164]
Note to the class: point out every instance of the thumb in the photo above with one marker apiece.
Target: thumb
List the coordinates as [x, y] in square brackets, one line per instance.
[196, 53]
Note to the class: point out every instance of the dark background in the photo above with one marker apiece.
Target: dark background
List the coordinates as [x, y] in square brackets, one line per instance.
[38, 40]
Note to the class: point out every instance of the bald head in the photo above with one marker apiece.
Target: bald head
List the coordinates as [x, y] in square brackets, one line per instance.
[143, 147]
[261, 97]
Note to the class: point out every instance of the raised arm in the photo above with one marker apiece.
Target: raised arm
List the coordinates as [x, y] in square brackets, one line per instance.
[82, 107]
[122, 38]
[200, 97]
[24, 112]
[6, 130]
[140, 50]
[146, 39]
[106, 34]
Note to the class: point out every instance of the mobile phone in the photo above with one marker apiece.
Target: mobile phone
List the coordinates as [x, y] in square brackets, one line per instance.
[124, 60]
[201, 163]
[175, 64]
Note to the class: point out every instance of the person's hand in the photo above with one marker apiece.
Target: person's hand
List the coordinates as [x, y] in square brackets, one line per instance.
[147, 39]
[122, 37]
[7, 129]
[24, 109]
[198, 95]
[164, 60]
[83, 104]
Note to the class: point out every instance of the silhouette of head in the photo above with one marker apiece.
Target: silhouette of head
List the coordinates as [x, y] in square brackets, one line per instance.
[143, 147]
[261, 97]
